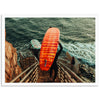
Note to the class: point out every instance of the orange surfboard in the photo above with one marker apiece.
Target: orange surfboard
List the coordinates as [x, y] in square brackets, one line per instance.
[49, 48]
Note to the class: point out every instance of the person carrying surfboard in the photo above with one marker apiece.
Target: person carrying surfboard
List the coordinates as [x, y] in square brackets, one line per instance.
[54, 65]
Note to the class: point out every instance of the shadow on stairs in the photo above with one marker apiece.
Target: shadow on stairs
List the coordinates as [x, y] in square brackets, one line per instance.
[44, 77]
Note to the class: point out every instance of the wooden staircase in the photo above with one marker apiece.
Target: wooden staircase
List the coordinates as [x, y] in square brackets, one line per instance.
[33, 74]
[44, 76]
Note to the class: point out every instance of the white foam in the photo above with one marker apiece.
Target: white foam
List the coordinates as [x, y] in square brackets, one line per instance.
[85, 51]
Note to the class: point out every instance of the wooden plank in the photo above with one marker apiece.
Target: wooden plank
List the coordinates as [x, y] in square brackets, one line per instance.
[22, 73]
[72, 73]
[28, 73]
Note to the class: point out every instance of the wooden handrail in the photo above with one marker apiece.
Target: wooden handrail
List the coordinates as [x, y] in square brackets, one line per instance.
[72, 73]
[28, 73]
[22, 73]
[66, 74]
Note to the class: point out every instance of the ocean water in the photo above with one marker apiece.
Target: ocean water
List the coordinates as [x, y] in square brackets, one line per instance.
[77, 35]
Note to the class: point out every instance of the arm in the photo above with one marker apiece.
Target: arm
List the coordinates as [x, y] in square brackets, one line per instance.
[58, 53]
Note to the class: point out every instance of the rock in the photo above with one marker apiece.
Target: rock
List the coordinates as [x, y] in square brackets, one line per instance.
[17, 72]
[14, 59]
[68, 56]
[8, 50]
[74, 67]
[11, 67]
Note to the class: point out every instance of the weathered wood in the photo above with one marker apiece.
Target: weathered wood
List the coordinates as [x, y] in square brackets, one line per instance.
[69, 77]
[27, 61]
[72, 73]
[85, 79]
[27, 80]
[66, 81]
[28, 73]
[22, 73]
[31, 77]
[67, 74]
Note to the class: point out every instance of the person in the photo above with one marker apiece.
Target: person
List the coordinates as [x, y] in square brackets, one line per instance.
[34, 51]
[54, 65]
[72, 62]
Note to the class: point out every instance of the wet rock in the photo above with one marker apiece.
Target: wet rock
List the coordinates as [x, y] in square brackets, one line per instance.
[88, 72]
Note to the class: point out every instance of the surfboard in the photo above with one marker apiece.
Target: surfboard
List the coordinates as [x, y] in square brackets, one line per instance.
[35, 44]
[49, 48]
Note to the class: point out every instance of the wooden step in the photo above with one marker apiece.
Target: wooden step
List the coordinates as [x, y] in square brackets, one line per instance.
[44, 76]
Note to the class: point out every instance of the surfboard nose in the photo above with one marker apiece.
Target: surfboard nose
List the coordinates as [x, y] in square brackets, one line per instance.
[53, 30]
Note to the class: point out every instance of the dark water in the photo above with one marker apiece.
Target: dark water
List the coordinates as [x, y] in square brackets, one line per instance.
[77, 35]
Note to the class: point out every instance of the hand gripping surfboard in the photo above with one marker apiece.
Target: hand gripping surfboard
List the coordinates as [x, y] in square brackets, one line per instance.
[49, 48]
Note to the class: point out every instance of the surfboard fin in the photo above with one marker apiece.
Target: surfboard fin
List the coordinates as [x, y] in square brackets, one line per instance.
[45, 62]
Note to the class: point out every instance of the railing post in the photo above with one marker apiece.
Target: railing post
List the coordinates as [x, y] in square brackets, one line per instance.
[59, 72]
[64, 77]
